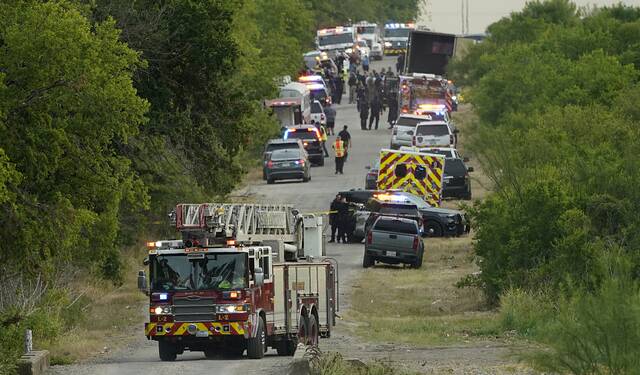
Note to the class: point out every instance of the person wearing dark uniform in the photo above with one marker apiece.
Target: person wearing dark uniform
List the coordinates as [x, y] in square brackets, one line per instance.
[333, 217]
[348, 143]
[375, 111]
[343, 220]
[364, 114]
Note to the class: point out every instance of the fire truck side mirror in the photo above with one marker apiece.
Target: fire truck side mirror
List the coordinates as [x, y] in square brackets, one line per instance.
[259, 273]
[142, 281]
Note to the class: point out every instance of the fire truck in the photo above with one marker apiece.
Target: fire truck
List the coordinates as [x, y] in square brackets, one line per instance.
[420, 91]
[242, 277]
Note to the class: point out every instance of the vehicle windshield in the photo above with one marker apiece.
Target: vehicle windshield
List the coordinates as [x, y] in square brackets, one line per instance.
[287, 93]
[409, 121]
[419, 202]
[366, 29]
[282, 146]
[181, 272]
[316, 107]
[302, 134]
[433, 130]
[434, 116]
[454, 167]
[362, 43]
[326, 40]
[319, 95]
[398, 226]
[285, 155]
[396, 33]
[446, 153]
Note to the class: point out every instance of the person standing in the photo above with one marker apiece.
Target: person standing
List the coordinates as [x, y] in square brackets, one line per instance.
[364, 114]
[323, 138]
[330, 113]
[353, 83]
[339, 89]
[365, 63]
[340, 150]
[343, 220]
[393, 110]
[333, 217]
[375, 111]
[346, 138]
[400, 63]
[361, 92]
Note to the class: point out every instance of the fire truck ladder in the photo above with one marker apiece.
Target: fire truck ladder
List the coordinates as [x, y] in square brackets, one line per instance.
[245, 223]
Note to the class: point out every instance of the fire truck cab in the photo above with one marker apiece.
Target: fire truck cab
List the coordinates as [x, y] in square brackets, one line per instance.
[221, 290]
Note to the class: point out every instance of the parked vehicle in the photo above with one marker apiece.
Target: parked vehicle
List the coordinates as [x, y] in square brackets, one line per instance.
[293, 105]
[434, 134]
[457, 183]
[371, 180]
[288, 164]
[394, 240]
[371, 33]
[311, 140]
[404, 130]
[279, 144]
[317, 113]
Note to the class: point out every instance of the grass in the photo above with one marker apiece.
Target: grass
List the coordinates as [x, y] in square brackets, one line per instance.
[112, 316]
[335, 364]
[424, 307]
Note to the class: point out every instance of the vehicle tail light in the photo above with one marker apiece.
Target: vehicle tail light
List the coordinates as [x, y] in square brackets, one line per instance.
[413, 140]
[451, 139]
[321, 116]
[369, 238]
[269, 164]
[416, 240]
[301, 162]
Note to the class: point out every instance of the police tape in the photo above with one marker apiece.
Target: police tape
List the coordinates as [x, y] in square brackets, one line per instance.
[326, 212]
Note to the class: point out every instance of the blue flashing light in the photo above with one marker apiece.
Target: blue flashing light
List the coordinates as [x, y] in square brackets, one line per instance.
[163, 297]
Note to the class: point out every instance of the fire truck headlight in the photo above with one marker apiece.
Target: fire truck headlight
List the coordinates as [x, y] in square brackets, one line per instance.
[225, 309]
[161, 310]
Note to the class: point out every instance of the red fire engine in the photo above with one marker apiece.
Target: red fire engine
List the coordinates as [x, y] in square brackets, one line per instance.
[225, 287]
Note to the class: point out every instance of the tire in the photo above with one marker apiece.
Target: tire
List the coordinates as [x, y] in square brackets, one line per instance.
[256, 345]
[286, 348]
[367, 261]
[356, 239]
[433, 229]
[306, 179]
[418, 263]
[303, 331]
[314, 331]
[270, 181]
[167, 351]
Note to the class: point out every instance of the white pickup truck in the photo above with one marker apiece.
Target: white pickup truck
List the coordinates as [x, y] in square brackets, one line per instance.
[394, 240]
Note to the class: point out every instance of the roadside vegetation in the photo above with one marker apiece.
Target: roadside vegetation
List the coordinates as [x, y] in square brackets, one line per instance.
[111, 112]
[555, 89]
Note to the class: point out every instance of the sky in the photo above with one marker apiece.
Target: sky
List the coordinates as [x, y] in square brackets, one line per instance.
[446, 14]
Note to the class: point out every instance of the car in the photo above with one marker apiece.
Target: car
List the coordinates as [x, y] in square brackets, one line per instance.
[371, 180]
[433, 134]
[317, 113]
[457, 183]
[279, 144]
[403, 130]
[394, 240]
[311, 140]
[438, 222]
[320, 92]
[288, 164]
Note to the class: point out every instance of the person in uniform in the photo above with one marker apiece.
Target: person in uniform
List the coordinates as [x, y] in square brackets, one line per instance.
[333, 217]
[343, 220]
[340, 151]
[375, 112]
[348, 143]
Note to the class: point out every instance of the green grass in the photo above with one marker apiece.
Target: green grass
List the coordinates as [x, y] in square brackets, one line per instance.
[335, 364]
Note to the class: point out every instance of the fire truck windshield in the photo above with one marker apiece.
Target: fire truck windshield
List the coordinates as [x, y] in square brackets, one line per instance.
[326, 40]
[181, 272]
[396, 33]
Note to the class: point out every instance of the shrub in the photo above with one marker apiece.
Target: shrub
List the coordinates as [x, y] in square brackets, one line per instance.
[525, 312]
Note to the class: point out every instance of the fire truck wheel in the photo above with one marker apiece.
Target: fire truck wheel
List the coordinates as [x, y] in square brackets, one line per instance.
[167, 351]
[256, 345]
[367, 261]
[303, 331]
[313, 331]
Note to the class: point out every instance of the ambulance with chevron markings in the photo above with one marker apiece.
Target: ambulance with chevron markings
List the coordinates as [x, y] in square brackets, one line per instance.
[418, 173]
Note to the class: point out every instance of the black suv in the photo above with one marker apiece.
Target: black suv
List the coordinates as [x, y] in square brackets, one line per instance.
[310, 137]
[457, 183]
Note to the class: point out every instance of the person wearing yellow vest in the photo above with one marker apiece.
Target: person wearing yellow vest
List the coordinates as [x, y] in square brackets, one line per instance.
[339, 149]
[323, 137]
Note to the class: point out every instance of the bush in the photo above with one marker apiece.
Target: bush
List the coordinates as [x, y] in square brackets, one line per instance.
[526, 313]
[599, 332]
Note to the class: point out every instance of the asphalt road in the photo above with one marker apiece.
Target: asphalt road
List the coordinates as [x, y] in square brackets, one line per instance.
[141, 356]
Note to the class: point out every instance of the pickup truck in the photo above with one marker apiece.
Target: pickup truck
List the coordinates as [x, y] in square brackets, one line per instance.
[394, 240]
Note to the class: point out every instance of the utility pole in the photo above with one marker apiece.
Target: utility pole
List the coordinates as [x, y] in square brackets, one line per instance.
[462, 15]
[467, 18]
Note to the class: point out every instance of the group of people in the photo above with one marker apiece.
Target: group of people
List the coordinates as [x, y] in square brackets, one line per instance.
[368, 92]
[340, 220]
